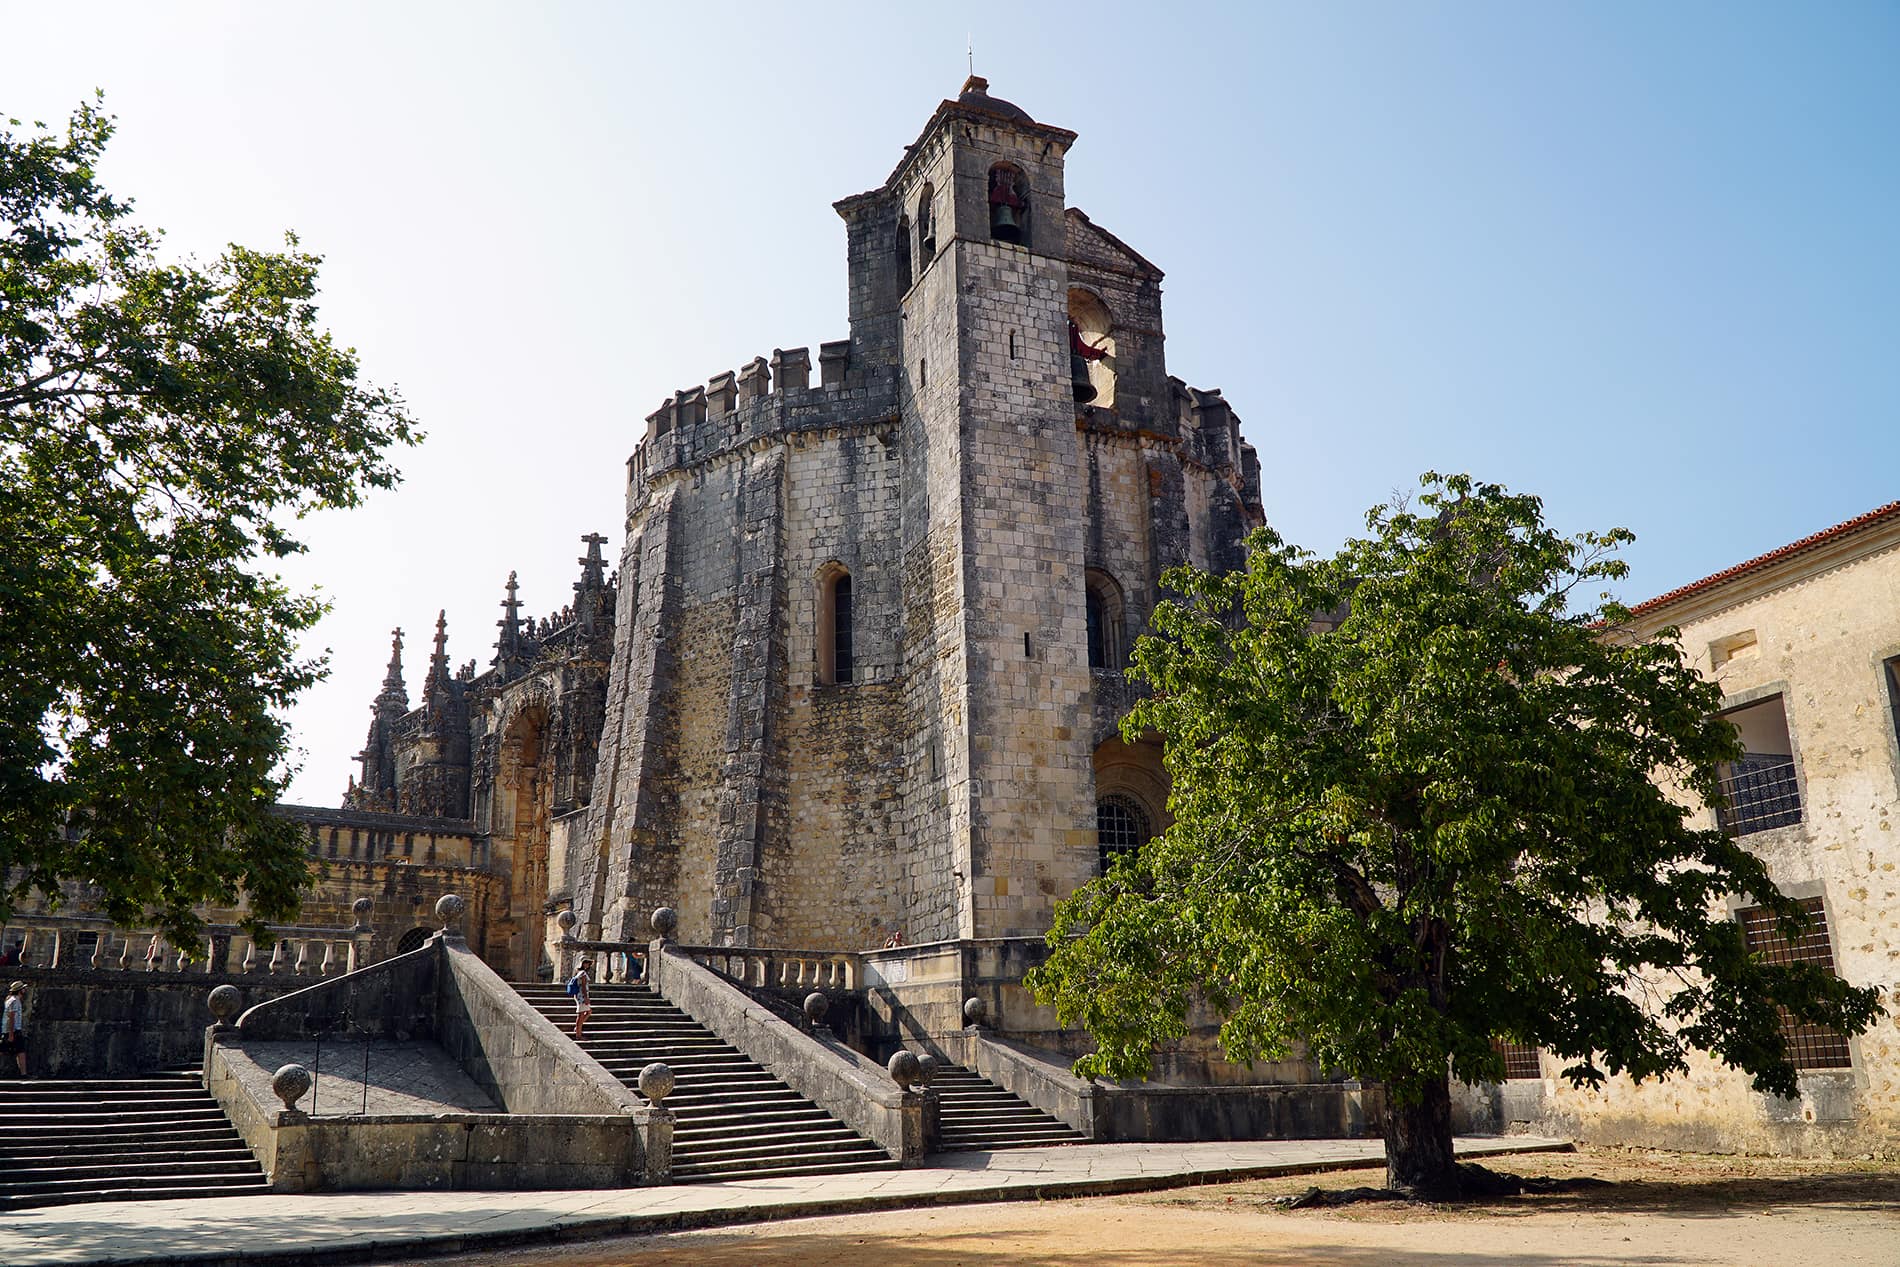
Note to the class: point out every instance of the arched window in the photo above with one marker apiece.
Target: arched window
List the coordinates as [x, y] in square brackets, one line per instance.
[1104, 600]
[835, 641]
[412, 940]
[903, 254]
[1121, 826]
[1009, 204]
[1091, 349]
[926, 228]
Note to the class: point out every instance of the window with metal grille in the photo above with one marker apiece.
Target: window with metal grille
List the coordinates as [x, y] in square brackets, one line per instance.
[1521, 1060]
[1809, 1046]
[1120, 826]
[1893, 691]
[1762, 789]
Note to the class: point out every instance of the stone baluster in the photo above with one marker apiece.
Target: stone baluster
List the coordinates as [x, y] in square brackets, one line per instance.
[249, 962]
[98, 960]
[125, 954]
[328, 967]
[154, 953]
[303, 956]
[276, 958]
[59, 948]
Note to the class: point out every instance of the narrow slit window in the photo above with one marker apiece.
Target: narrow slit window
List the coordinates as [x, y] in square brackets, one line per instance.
[841, 648]
[835, 634]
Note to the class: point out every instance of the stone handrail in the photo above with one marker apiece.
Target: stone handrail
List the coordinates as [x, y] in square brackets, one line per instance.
[847, 1085]
[295, 950]
[772, 968]
[615, 960]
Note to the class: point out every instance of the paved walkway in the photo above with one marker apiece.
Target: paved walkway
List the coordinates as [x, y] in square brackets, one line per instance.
[382, 1227]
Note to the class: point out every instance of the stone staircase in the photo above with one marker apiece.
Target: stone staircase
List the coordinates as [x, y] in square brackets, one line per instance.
[976, 1115]
[734, 1120]
[118, 1139]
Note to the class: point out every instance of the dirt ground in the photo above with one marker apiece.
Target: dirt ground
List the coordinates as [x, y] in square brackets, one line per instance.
[1660, 1208]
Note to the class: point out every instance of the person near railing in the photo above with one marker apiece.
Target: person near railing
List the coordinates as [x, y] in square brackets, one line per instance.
[13, 1025]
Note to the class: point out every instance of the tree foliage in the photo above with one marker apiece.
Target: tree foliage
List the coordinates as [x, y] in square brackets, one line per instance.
[162, 425]
[1430, 826]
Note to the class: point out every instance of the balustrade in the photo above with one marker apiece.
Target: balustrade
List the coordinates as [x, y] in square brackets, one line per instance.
[93, 941]
[774, 969]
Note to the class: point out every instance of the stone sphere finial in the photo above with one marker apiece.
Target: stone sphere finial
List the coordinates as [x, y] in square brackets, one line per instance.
[566, 920]
[816, 1005]
[975, 1011]
[291, 1083]
[656, 1081]
[361, 907]
[665, 920]
[904, 1069]
[927, 1067]
[224, 1001]
[448, 909]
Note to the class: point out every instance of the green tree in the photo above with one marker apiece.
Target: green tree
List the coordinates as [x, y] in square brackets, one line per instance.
[161, 427]
[1429, 826]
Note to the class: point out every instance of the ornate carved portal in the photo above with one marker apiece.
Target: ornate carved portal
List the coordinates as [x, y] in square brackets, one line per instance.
[523, 811]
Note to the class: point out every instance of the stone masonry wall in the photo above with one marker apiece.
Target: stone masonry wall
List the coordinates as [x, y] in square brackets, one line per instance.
[1818, 643]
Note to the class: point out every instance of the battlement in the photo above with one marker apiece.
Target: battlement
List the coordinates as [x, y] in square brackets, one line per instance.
[1210, 435]
[761, 399]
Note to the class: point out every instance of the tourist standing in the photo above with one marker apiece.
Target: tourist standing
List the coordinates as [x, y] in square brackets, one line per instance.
[13, 1025]
[577, 987]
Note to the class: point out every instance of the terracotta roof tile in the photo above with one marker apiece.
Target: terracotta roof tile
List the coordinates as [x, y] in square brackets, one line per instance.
[1857, 524]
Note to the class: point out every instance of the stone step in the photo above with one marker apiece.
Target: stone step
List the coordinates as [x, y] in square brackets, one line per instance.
[12, 1137]
[791, 1121]
[775, 1149]
[135, 1188]
[873, 1160]
[733, 1118]
[976, 1115]
[94, 1108]
[63, 1156]
[118, 1139]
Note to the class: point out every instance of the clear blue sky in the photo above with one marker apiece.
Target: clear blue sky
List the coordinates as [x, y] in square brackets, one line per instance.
[1640, 259]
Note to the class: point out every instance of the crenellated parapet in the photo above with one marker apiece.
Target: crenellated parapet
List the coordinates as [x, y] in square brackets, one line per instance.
[762, 399]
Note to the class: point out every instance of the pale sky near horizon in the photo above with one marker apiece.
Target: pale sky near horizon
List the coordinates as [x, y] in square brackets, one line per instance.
[1638, 259]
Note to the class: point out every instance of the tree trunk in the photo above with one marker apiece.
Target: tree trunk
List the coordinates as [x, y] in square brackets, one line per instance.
[1418, 1156]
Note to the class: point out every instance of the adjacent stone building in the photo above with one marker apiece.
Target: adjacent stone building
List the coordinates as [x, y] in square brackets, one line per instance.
[1805, 643]
[858, 676]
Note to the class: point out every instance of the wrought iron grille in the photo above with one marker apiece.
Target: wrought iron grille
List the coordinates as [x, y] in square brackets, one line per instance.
[1762, 794]
[1521, 1060]
[1120, 826]
[1809, 1046]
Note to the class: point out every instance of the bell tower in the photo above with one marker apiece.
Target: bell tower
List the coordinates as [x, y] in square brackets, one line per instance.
[994, 517]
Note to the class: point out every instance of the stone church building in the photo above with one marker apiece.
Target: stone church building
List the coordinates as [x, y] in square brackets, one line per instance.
[859, 673]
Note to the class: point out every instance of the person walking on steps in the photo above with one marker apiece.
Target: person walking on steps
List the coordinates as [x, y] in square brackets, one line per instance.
[576, 986]
[13, 1025]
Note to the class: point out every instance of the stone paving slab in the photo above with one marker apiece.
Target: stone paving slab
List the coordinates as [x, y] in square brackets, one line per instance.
[306, 1230]
[403, 1078]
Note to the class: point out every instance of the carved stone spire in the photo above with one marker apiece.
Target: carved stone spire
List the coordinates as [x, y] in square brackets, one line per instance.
[377, 788]
[438, 680]
[394, 693]
[508, 645]
[593, 604]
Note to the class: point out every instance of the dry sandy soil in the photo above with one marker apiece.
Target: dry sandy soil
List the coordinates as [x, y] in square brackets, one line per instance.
[1661, 1208]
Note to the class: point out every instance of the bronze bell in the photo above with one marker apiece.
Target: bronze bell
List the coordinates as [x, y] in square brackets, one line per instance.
[1004, 226]
[1079, 379]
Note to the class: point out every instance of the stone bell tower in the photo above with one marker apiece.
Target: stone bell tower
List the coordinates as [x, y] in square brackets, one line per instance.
[994, 510]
